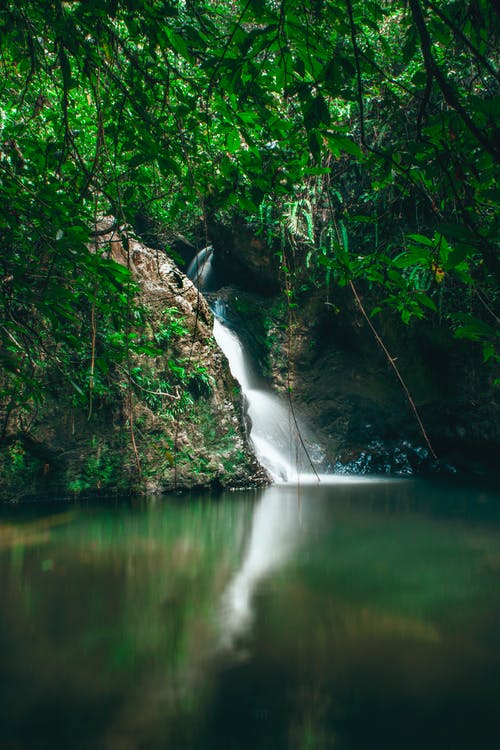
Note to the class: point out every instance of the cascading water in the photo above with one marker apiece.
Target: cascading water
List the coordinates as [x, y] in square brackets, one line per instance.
[200, 270]
[283, 445]
[277, 437]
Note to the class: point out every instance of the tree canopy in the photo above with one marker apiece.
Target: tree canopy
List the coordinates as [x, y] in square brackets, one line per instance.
[362, 134]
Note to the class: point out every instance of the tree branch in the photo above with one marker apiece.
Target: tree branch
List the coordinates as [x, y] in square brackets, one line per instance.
[394, 366]
[447, 89]
[459, 33]
[359, 80]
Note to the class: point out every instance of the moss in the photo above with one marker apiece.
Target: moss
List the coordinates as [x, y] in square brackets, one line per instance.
[20, 471]
[168, 415]
[101, 470]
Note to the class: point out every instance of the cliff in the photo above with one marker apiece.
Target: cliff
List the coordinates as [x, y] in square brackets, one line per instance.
[170, 420]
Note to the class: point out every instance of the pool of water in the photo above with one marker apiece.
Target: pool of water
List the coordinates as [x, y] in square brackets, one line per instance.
[359, 615]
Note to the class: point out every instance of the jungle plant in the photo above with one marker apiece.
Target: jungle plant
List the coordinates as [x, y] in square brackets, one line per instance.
[361, 135]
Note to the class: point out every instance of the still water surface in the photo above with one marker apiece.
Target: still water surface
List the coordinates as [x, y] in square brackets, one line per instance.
[351, 616]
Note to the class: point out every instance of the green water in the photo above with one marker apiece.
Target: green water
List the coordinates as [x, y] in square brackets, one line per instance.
[351, 616]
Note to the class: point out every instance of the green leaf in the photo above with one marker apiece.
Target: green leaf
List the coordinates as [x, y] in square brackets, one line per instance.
[409, 46]
[424, 299]
[421, 239]
[233, 143]
[473, 328]
[150, 349]
[317, 170]
[488, 351]
[395, 277]
[414, 256]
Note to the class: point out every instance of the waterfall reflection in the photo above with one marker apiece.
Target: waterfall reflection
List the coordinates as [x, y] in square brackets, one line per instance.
[274, 535]
[278, 528]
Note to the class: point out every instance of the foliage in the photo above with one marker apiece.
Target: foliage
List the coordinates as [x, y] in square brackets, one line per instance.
[20, 469]
[361, 136]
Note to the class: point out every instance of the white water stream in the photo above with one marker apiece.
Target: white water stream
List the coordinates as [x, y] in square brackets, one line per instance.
[282, 444]
[276, 435]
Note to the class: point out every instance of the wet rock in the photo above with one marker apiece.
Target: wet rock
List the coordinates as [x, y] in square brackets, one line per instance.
[346, 390]
[148, 438]
[243, 258]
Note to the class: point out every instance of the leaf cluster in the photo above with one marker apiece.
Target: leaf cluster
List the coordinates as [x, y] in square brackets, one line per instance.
[361, 137]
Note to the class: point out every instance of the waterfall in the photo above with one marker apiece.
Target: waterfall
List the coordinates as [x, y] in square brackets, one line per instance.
[200, 270]
[282, 443]
[276, 434]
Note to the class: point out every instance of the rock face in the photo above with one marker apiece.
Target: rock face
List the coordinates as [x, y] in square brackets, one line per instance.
[341, 382]
[344, 387]
[151, 436]
[243, 257]
[354, 394]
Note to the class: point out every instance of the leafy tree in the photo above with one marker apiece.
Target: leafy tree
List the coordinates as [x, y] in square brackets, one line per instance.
[363, 134]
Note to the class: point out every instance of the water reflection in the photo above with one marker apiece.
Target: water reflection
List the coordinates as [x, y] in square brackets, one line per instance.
[368, 613]
[274, 533]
